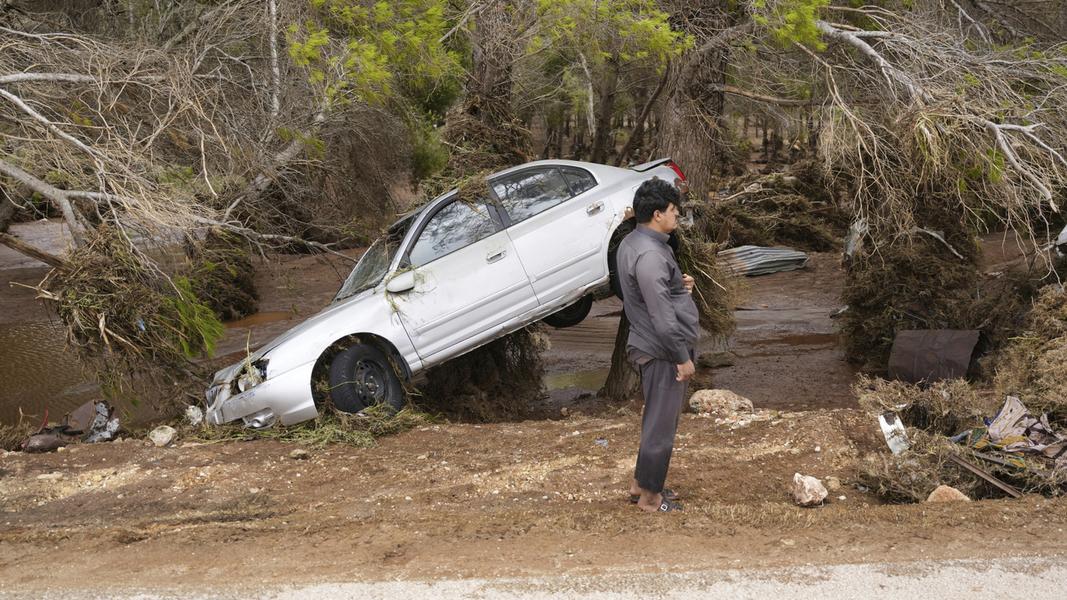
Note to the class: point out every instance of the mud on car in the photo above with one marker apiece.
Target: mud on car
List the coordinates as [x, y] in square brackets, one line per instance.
[444, 280]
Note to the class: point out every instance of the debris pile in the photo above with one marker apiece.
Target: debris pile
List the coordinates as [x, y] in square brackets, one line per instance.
[497, 382]
[961, 437]
[717, 291]
[133, 324]
[791, 209]
[222, 276]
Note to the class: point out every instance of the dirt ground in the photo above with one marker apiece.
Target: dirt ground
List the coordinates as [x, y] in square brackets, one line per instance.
[538, 497]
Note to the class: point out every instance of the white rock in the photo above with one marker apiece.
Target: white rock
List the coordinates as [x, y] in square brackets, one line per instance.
[299, 454]
[193, 415]
[163, 435]
[807, 490]
[53, 476]
[945, 493]
[719, 401]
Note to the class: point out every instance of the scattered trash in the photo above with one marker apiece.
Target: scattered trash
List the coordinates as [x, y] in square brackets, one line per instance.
[946, 493]
[603, 443]
[894, 433]
[163, 435]
[723, 402]
[807, 490]
[299, 454]
[929, 355]
[194, 415]
[44, 442]
[758, 260]
[104, 425]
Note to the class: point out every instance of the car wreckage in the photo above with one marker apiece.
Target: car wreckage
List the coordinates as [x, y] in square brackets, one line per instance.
[443, 280]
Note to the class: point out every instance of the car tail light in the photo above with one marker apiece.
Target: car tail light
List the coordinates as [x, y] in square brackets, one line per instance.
[674, 167]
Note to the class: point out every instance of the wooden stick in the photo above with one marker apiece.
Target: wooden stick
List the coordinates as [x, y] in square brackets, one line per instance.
[1007, 489]
[23, 248]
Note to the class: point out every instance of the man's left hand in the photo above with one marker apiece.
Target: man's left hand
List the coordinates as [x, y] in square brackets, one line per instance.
[689, 283]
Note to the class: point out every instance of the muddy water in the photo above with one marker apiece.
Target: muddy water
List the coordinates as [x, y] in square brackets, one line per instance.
[38, 372]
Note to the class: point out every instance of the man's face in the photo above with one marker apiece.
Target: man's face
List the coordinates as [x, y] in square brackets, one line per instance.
[666, 220]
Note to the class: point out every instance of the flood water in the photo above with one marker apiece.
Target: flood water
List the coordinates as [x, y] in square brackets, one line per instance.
[39, 373]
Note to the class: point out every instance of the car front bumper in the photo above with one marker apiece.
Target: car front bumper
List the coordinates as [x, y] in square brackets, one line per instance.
[285, 397]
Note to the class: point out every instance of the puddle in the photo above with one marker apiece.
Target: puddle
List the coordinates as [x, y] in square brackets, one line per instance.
[804, 339]
[37, 371]
[586, 380]
[259, 319]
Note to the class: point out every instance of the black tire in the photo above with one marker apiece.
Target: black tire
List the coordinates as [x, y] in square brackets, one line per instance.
[571, 315]
[361, 376]
[613, 264]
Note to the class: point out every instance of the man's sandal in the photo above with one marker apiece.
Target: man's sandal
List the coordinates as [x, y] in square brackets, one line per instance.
[668, 494]
[669, 506]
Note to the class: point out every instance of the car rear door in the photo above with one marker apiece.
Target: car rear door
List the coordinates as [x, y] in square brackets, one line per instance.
[558, 225]
[468, 281]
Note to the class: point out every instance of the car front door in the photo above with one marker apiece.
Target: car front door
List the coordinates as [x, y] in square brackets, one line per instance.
[468, 281]
[558, 226]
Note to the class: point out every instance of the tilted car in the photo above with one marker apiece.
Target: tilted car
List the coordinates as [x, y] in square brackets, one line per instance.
[443, 280]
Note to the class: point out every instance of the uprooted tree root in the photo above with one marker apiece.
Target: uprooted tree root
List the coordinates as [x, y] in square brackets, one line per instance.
[497, 382]
[332, 427]
[134, 326]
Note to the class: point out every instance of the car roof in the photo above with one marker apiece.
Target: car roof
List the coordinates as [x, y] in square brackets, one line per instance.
[603, 173]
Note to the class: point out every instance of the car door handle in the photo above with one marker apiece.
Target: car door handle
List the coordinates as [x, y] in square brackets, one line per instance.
[492, 258]
[594, 208]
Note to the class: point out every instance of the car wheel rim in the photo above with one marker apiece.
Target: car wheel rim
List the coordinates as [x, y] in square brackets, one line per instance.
[369, 381]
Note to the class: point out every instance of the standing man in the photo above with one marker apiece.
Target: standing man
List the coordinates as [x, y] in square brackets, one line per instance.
[664, 327]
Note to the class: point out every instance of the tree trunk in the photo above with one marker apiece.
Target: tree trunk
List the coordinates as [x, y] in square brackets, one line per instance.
[622, 380]
[692, 133]
[7, 212]
[604, 140]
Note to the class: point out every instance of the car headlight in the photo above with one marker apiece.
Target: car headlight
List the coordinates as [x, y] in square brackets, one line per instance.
[251, 375]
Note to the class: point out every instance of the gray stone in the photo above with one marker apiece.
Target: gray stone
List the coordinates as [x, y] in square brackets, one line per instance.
[299, 454]
[807, 490]
[723, 402]
[163, 435]
[716, 360]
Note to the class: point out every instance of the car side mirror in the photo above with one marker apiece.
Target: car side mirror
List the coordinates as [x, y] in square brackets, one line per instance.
[400, 282]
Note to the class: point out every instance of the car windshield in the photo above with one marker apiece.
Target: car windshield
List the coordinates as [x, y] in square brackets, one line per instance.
[375, 262]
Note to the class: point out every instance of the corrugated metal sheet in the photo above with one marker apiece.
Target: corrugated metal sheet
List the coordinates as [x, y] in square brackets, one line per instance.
[758, 260]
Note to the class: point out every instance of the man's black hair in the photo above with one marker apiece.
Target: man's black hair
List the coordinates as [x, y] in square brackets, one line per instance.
[654, 194]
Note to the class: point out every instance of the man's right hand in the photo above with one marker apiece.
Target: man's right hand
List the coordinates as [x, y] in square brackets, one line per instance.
[685, 371]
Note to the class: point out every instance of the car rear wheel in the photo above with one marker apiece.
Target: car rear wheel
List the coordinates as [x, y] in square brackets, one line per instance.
[361, 376]
[571, 315]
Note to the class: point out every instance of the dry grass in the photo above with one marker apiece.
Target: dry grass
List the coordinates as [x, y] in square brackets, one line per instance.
[332, 427]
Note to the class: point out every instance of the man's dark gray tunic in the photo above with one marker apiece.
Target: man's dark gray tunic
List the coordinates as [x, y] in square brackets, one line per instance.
[664, 327]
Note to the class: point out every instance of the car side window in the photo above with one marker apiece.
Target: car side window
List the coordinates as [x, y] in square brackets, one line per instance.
[457, 225]
[531, 192]
[580, 180]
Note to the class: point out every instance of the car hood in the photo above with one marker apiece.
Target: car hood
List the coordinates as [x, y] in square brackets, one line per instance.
[308, 325]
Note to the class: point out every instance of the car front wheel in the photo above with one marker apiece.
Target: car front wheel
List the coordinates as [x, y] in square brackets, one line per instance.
[571, 315]
[361, 376]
